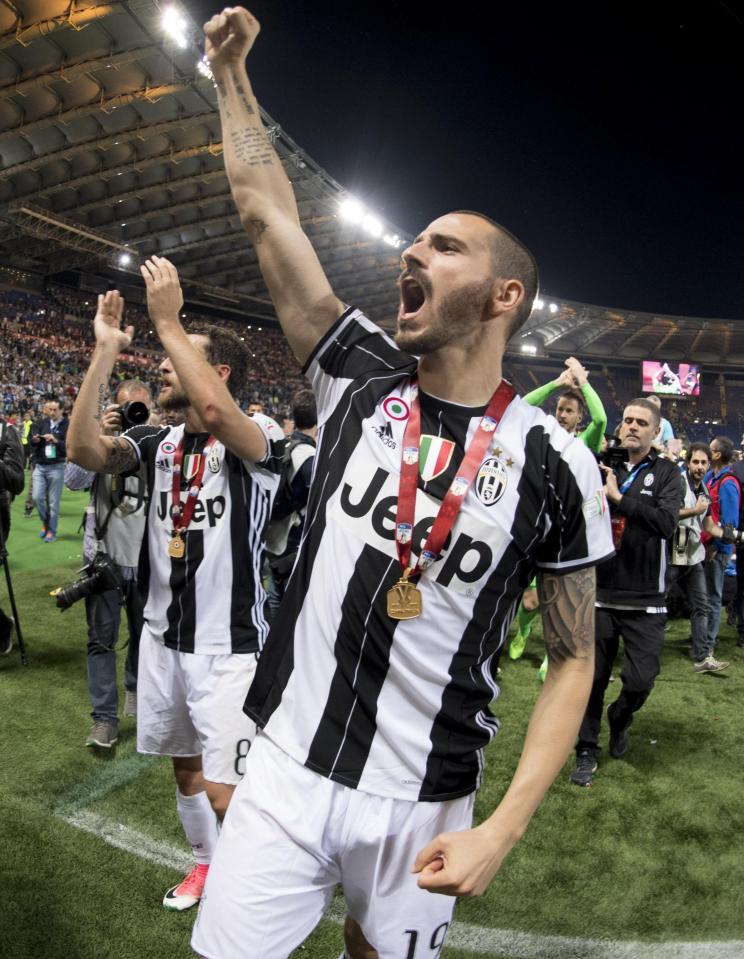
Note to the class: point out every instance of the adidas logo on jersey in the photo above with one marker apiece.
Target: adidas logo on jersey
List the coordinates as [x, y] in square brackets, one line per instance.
[368, 508]
[165, 466]
[385, 434]
[210, 510]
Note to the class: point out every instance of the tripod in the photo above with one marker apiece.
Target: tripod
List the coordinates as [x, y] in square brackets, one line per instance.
[11, 595]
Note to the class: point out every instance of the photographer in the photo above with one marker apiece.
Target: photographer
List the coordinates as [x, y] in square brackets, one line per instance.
[11, 484]
[688, 553]
[114, 525]
[645, 495]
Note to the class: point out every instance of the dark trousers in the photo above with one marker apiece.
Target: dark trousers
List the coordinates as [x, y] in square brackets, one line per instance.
[103, 612]
[643, 638]
[691, 579]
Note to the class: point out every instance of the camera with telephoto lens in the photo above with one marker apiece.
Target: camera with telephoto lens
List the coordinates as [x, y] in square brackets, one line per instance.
[134, 414]
[98, 576]
[614, 455]
[733, 535]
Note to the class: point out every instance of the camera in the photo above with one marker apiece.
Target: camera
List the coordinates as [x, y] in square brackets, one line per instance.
[614, 455]
[732, 535]
[98, 576]
[134, 414]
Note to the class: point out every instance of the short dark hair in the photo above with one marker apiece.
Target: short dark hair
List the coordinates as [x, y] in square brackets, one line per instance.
[698, 447]
[225, 347]
[725, 448]
[646, 405]
[129, 385]
[570, 393]
[304, 410]
[511, 259]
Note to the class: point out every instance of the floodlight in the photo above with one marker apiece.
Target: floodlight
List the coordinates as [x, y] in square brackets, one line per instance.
[553, 307]
[204, 68]
[124, 259]
[538, 304]
[175, 26]
[392, 240]
[352, 210]
[372, 225]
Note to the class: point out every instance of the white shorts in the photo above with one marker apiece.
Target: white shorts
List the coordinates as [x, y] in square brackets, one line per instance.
[192, 705]
[290, 835]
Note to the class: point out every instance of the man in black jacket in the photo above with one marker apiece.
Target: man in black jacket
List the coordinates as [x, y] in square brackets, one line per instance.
[645, 498]
[11, 484]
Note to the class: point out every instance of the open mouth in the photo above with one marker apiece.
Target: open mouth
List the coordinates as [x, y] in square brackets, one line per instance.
[412, 298]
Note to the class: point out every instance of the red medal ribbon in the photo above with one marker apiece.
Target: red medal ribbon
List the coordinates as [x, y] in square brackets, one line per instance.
[182, 517]
[409, 472]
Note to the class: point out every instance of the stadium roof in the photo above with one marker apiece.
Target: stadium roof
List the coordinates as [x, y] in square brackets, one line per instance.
[111, 144]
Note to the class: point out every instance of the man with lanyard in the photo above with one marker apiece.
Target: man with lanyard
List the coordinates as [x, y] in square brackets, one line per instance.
[435, 496]
[114, 526]
[688, 555]
[645, 498]
[210, 483]
[49, 452]
[725, 505]
[576, 397]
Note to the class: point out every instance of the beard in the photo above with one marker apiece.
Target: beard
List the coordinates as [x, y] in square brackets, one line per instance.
[456, 315]
[174, 401]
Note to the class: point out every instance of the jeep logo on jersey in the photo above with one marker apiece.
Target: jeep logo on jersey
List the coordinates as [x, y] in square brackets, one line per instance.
[209, 511]
[490, 483]
[435, 454]
[367, 508]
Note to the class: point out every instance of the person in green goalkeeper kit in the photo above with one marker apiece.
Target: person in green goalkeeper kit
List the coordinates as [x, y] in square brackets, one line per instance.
[575, 399]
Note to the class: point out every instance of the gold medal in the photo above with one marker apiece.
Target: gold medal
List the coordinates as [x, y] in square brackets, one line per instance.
[176, 547]
[404, 600]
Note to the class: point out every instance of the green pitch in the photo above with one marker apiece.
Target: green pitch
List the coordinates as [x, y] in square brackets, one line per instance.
[652, 852]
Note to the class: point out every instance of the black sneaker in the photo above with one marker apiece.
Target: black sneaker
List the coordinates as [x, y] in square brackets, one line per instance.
[619, 736]
[28, 511]
[586, 766]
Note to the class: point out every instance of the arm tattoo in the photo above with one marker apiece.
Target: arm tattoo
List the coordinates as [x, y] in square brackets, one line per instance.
[567, 608]
[250, 146]
[121, 457]
[259, 228]
[222, 95]
[102, 390]
[242, 95]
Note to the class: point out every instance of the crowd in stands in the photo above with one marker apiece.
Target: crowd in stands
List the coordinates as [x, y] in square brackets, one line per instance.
[48, 341]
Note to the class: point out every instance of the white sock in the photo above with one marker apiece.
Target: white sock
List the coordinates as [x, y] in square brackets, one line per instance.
[199, 824]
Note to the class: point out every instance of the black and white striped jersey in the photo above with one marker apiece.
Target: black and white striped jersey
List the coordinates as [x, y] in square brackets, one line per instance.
[401, 708]
[212, 600]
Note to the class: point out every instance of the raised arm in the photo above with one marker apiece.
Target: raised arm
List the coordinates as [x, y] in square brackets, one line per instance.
[302, 296]
[463, 863]
[203, 383]
[86, 445]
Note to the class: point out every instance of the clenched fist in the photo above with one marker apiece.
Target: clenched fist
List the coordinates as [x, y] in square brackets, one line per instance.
[228, 37]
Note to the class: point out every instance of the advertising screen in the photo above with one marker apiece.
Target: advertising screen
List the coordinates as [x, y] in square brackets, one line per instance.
[670, 379]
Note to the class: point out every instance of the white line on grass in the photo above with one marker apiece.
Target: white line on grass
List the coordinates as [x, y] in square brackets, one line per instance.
[470, 938]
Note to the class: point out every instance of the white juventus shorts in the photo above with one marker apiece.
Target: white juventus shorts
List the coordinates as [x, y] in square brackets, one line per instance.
[290, 835]
[190, 704]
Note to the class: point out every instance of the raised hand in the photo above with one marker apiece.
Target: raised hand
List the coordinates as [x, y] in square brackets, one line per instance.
[577, 370]
[229, 36]
[107, 322]
[164, 296]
